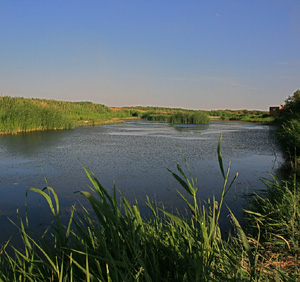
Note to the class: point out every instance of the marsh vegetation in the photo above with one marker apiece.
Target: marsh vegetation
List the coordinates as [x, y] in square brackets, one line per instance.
[25, 115]
[182, 117]
[112, 241]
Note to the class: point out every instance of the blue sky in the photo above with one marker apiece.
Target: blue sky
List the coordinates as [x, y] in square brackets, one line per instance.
[190, 54]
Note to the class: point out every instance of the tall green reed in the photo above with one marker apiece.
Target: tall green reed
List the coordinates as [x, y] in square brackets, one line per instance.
[182, 116]
[277, 213]
[23, 115]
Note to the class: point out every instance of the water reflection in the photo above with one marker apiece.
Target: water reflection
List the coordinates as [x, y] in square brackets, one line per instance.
[27, 144]
[195, 128]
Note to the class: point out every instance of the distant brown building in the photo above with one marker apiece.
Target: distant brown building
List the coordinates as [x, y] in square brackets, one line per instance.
[273, 111]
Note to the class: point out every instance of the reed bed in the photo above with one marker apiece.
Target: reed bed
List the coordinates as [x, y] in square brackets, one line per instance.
[19, 115]
[24, 115]
[113, 242]
[177, 115]
[243, 115]
[182, 117]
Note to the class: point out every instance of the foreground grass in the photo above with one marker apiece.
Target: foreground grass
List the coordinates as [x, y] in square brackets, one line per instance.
[115, 243]
[274, 216]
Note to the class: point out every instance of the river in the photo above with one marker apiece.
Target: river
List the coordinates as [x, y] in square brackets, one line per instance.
[134, 155]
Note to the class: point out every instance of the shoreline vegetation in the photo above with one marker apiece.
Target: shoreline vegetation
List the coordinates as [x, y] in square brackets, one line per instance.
[28, 114]
[114, 242]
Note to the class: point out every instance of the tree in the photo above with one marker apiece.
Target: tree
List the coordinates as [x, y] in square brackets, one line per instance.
[291, 108]
[288, 133]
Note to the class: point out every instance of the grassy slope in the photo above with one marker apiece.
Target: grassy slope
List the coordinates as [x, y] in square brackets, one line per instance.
[22, 115]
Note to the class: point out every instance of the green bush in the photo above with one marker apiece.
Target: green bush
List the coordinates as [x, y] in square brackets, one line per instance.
[288, 120]
[291, 108]
[289, 137]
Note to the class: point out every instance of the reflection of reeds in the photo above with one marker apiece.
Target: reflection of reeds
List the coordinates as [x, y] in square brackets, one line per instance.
[115, 243]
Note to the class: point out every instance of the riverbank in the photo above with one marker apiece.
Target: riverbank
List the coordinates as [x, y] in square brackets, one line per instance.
[25, 115]
[165, 114]
[19, 115]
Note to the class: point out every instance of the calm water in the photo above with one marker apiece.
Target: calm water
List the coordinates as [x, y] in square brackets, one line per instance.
[134, 155]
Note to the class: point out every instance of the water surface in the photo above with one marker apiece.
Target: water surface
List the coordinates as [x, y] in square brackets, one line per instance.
[134, 155]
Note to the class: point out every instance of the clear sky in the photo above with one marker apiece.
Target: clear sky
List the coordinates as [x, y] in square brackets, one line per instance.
[197, 54]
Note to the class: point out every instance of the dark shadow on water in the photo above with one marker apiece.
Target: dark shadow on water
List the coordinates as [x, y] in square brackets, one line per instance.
[27, 144]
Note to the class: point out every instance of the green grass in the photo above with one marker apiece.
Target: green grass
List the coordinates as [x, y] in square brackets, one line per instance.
[18, 114]
[273, 216]
[23, 115]
[243, 115]
[182, 117]
[111, 241]
[277, 211]
[169, 114]
[288, 136]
